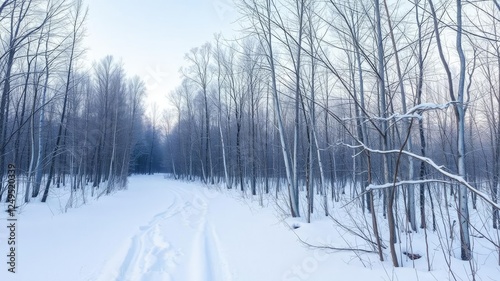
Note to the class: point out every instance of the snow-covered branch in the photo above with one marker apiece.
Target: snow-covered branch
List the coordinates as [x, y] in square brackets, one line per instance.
[414, 112]
[399, 183]
[427, 106]
[431, 163]
[398, 117]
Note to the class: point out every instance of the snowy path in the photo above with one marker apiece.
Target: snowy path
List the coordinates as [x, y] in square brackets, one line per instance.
[165, 230]
[178, 243]
[148, 256]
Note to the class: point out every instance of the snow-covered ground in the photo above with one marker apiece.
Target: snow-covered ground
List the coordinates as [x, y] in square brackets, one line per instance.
[160, 229]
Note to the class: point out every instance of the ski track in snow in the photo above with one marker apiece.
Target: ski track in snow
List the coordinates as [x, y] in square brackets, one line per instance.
[151, 257]
[166, 230]
[218, 263]
[207, 262]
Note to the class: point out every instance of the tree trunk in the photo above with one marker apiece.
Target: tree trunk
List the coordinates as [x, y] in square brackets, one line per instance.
[460, 107]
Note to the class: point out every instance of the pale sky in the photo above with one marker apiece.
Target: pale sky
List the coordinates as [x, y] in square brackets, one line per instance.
[152, 36]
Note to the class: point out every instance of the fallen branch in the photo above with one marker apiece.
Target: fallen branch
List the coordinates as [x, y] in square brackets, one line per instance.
[327, 247]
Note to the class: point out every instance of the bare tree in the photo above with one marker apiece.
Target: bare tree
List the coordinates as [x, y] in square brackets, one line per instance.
[199, 74]
[260, 16]
[77, 28]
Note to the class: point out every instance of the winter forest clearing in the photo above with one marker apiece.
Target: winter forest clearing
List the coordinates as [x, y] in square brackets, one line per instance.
[320, 139]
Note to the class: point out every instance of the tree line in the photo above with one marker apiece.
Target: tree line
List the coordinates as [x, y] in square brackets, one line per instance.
[61, 122]
[395, 105]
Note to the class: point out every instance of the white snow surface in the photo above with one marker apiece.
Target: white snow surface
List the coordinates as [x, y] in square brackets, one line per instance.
[161, 230]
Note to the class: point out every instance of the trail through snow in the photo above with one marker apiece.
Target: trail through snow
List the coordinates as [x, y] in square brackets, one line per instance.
[178, 243]
[165, 230]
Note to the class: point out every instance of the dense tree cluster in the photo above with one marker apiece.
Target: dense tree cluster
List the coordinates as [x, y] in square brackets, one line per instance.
[60, 122]
[397, 103]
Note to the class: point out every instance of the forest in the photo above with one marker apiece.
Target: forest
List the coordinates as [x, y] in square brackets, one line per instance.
[62, 122]
[392, 107]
